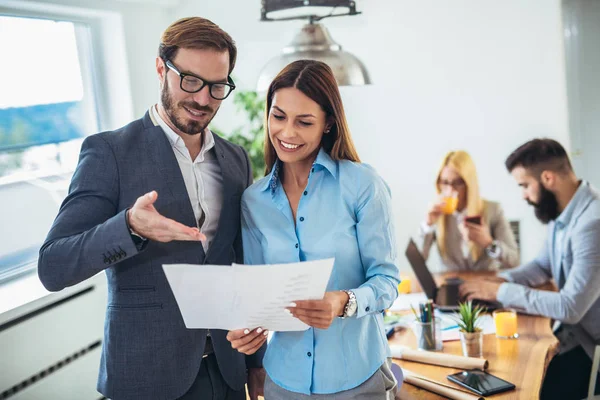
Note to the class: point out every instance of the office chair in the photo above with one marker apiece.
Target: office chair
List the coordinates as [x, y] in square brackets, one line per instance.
[592, 387]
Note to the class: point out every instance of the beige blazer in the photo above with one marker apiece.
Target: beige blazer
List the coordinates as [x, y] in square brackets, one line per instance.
[455, 260]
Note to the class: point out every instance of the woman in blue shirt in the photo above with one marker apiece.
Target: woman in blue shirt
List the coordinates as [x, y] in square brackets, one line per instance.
[318, 201]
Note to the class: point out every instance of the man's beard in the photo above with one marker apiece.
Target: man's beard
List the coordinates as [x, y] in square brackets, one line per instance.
[546, 209]
[189, 127]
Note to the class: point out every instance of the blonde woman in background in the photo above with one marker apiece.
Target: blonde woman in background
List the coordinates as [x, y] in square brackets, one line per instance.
[471, 233]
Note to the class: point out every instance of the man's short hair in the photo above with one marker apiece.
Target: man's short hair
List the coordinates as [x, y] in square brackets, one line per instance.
[540, 155]
[196, 33]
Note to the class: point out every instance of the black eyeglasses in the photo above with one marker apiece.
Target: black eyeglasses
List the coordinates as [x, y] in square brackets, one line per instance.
[193, 84]
[453, 184]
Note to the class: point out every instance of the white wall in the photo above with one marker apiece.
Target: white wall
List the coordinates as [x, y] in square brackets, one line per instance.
[484, 76]
[480, 75]
[582, 31]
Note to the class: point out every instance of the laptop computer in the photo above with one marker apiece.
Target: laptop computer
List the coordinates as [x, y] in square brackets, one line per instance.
[446, 296]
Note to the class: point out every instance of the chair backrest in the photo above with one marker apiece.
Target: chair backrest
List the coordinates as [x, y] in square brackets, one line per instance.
[516, 230]
[594, 375]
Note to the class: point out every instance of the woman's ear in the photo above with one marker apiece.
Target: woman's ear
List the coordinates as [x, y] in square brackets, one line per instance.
[328, 124]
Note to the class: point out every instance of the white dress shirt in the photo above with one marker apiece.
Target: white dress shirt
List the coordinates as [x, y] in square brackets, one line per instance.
[202, 177]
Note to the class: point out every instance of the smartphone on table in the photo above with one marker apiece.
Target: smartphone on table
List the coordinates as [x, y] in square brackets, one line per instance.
[481, 382]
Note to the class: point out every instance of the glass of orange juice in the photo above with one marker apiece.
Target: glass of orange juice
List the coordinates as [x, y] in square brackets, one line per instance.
[505, 320]
[450, 200]
[404, 285]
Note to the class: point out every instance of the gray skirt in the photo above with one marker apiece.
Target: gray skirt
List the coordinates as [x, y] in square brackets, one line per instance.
[380, 386]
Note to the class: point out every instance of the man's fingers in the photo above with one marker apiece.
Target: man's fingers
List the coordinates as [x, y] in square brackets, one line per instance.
[149, 223]
[178, 231]
[146, 200]
[192, 234]
[464, 289]
[474, 296]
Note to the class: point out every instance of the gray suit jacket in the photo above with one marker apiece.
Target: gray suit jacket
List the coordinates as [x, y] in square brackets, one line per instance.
[576, 273]
[500, 230]
[147, 351]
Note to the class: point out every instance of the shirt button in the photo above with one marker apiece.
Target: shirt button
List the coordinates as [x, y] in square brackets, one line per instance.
[313, 170]
[301, 219]
[367, 309]
[305, 192]
[309, 354]
[296, 245]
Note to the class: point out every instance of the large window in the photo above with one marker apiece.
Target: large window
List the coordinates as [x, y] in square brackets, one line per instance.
[47, 105]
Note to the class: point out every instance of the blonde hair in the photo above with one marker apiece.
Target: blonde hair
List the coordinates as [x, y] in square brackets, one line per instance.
[462, 162]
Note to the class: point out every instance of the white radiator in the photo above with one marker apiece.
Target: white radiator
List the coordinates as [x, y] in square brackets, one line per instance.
[53, 352]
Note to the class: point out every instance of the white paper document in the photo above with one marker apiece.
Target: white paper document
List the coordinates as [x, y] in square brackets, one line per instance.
[246, 296]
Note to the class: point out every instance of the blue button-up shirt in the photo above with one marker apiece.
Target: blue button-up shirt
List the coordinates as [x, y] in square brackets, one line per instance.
[344, 212]
[561, 225]
[571, 256]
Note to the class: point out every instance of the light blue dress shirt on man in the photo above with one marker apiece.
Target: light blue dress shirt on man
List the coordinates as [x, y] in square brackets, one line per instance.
[344, 212]
[571, 256]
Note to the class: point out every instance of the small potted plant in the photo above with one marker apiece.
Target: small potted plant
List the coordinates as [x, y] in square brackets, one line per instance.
[471, 335]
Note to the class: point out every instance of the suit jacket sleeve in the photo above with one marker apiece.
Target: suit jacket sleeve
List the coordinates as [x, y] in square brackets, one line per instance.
[88, 234]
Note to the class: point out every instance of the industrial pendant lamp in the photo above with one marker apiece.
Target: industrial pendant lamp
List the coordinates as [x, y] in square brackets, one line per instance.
[313, 42]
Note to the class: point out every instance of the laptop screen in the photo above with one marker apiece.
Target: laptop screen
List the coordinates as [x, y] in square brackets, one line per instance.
[417, 262]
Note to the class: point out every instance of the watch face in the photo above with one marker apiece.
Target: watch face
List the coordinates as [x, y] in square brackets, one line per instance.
[352, 308]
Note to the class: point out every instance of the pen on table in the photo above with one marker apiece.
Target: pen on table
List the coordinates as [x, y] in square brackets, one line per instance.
[450, 327]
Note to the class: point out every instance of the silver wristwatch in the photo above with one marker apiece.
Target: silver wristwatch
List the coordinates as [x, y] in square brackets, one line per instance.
[351, 305]
[494, 250]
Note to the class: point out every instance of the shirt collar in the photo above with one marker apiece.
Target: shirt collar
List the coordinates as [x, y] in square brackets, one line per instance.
[323, 161]
[565, 217]
[175, 139]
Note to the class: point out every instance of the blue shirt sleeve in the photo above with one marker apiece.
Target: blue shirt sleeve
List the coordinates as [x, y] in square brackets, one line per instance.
[377, 244]
[251, 237]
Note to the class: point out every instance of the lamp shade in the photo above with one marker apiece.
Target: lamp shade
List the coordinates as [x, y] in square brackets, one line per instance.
[315, 43]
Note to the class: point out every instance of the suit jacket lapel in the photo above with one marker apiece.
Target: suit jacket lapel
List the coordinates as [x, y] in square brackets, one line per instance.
[161, 154]
[228, 191]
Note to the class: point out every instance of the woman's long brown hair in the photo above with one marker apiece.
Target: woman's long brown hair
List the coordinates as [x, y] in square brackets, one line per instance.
[315, 79]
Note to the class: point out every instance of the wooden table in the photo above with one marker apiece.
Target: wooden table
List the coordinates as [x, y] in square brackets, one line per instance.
[521, 361]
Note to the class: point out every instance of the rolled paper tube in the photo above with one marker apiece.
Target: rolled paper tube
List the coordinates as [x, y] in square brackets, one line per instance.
[438, 387]
[444, 360]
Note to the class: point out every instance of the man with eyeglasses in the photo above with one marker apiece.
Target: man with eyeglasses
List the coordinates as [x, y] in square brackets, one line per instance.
[163, 189]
